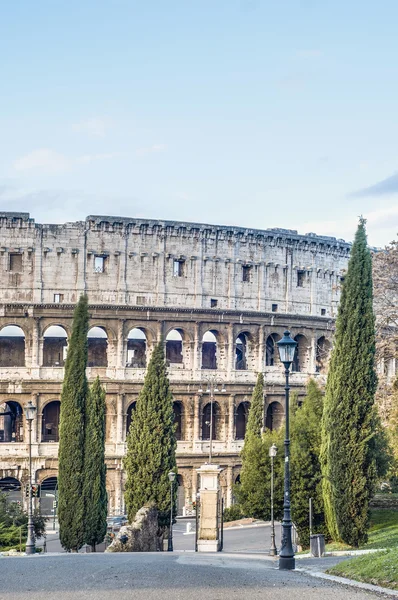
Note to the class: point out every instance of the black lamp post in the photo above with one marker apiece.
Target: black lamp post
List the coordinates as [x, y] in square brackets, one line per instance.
[272, 452]
[30, 412]
[172, 477]
[212, 383]
[287, 347]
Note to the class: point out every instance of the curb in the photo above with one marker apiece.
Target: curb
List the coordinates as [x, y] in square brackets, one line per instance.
[350, 582]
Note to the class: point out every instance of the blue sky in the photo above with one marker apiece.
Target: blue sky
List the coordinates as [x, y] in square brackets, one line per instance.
[243, 112]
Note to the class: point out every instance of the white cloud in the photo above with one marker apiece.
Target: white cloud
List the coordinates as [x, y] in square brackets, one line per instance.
[151, 149]
[89, 158]
[95, 127]
[309, 53]
[43, 159]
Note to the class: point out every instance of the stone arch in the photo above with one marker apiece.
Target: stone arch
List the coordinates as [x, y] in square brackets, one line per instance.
[137, 348]
[12, 488]
[241, 417]
[55, 344]
[179, 421]
[274, 416]
[50, 421]
[302, 354]
[130, 415]
[271, 350]
[209, 350]
[241, 351]
[12, 346]
[323, 349]
[97, 340]
[49, 494]
[11, 422]
[216, 421]
[175, 346]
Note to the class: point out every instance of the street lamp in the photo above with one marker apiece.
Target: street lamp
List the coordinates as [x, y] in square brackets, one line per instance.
[287, 347]
[30, 412]
[212, 384]
[172, 477]
[272, 452]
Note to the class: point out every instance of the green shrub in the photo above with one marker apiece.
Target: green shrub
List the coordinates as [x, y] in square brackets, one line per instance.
[233, 513]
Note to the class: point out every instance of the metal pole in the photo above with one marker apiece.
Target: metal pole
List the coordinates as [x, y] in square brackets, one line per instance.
[30, 542]
[170, 543]
[211, 419]
[286, 555]
[310, 517]
[196, 522]
[273, 551]
[222, 525]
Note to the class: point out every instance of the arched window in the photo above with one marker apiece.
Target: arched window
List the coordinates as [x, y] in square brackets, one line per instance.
[274, 416]
[12, 488]
[174, 347]
[271, 350]
[50, 422]
[241, 352]
[242, 414]
[136, 349]
[209, 351]
[11, 424]
[323, 348]
[12, 347]
[130, 415]
[178, 420]
[206, 421]
[49, 494]
[97, 347]
[302, 354]
[55, 343]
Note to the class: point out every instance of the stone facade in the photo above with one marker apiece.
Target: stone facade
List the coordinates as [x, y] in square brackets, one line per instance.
[219, 297]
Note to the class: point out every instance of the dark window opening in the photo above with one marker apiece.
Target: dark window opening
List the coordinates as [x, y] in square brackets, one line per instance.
[136, 349]
[323, 312]
[16, 263]
[246, 273]
[58, 298]
[178, 420]
[50, 422]
[242, 414]
[206, 422]
[209, 351]
[178, 268]
[11, 424]
[130, 415]
[300, 278]
[274, 416]
[241, 353]
[271, 354]
[12, 347]
[97, 348]
[213, 303]
[274, 308]
[174, 348]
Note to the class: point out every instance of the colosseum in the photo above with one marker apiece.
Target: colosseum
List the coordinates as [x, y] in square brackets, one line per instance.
[219, 297]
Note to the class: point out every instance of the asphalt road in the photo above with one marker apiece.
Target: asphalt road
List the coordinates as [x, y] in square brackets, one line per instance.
[161, 576]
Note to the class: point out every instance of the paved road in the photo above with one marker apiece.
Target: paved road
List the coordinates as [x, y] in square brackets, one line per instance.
[161, 576]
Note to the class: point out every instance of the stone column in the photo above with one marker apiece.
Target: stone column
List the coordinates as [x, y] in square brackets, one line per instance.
[119, 419]
[197, 351]
[312, 361]
[196, 419]
[228, 500]
[34, 360]
[36, 421]
[121, 346]
[230, 350]
[208, 538]
[261, 349]
[231, 418]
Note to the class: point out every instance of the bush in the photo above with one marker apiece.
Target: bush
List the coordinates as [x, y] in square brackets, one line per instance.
[233, 513]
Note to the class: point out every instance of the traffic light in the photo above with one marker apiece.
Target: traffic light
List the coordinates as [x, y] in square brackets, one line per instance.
[35, 490]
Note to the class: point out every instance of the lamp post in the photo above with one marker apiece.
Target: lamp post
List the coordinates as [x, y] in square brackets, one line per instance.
[272, 452]
[172, 477]
[212, 384]
[30, 412]
[287, 347]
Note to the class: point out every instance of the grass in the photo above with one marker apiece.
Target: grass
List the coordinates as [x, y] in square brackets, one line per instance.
[379, 568]
[383, 532]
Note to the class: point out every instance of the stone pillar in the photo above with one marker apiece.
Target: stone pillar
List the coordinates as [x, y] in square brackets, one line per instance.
[36, 421]
[231, 418]
[228, 500]
[261, 350]
[196, 419]
[208, 538]
[121, 346]
[35, 343]
[119, 419]
[231, 350]
[197, 351]
[312, 361]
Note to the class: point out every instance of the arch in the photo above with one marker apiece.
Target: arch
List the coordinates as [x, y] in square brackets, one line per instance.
[178, 410]
[274, 416]
[97, 341]
[129, 415]
[180, 496]
[11, 422]
[271, 350]
[50, 422]
[55, 344]
[241, 344]
[302, 354]
[136, 348]
[49, 494]
[174, 347]
[209, 350]
[241, 417]
[12, 488]
[12, 346]
[323, 348]
[206, 421]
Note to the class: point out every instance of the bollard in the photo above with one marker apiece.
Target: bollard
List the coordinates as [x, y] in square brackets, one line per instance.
[189, 527]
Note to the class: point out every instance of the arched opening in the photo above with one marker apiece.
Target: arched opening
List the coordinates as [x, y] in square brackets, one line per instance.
[271, 350]
[206, 421]
[323, 348]
[12, 488]
[97, 347]
[50, 422]
[48, 495]
[274, 416]
[130, 415]
[209, 351]
[241, 352]
[55, 343]
[11, 423]
[180, 496]
[242, 414]
[136, 349]
[178, 420]
[301, 355]
[12, 347]
[174, 347]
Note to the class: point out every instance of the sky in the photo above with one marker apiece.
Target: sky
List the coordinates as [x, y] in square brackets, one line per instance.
[255, 113]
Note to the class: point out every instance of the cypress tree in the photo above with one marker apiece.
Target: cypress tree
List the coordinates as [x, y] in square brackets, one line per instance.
[95, 495]
[348, 452]
[306, 479]
[71, 434]
[151, 444]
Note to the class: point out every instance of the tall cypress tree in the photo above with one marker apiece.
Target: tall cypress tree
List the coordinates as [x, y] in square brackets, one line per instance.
[348, 452]
[71, 434]
[94, 490]
[151, 444]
